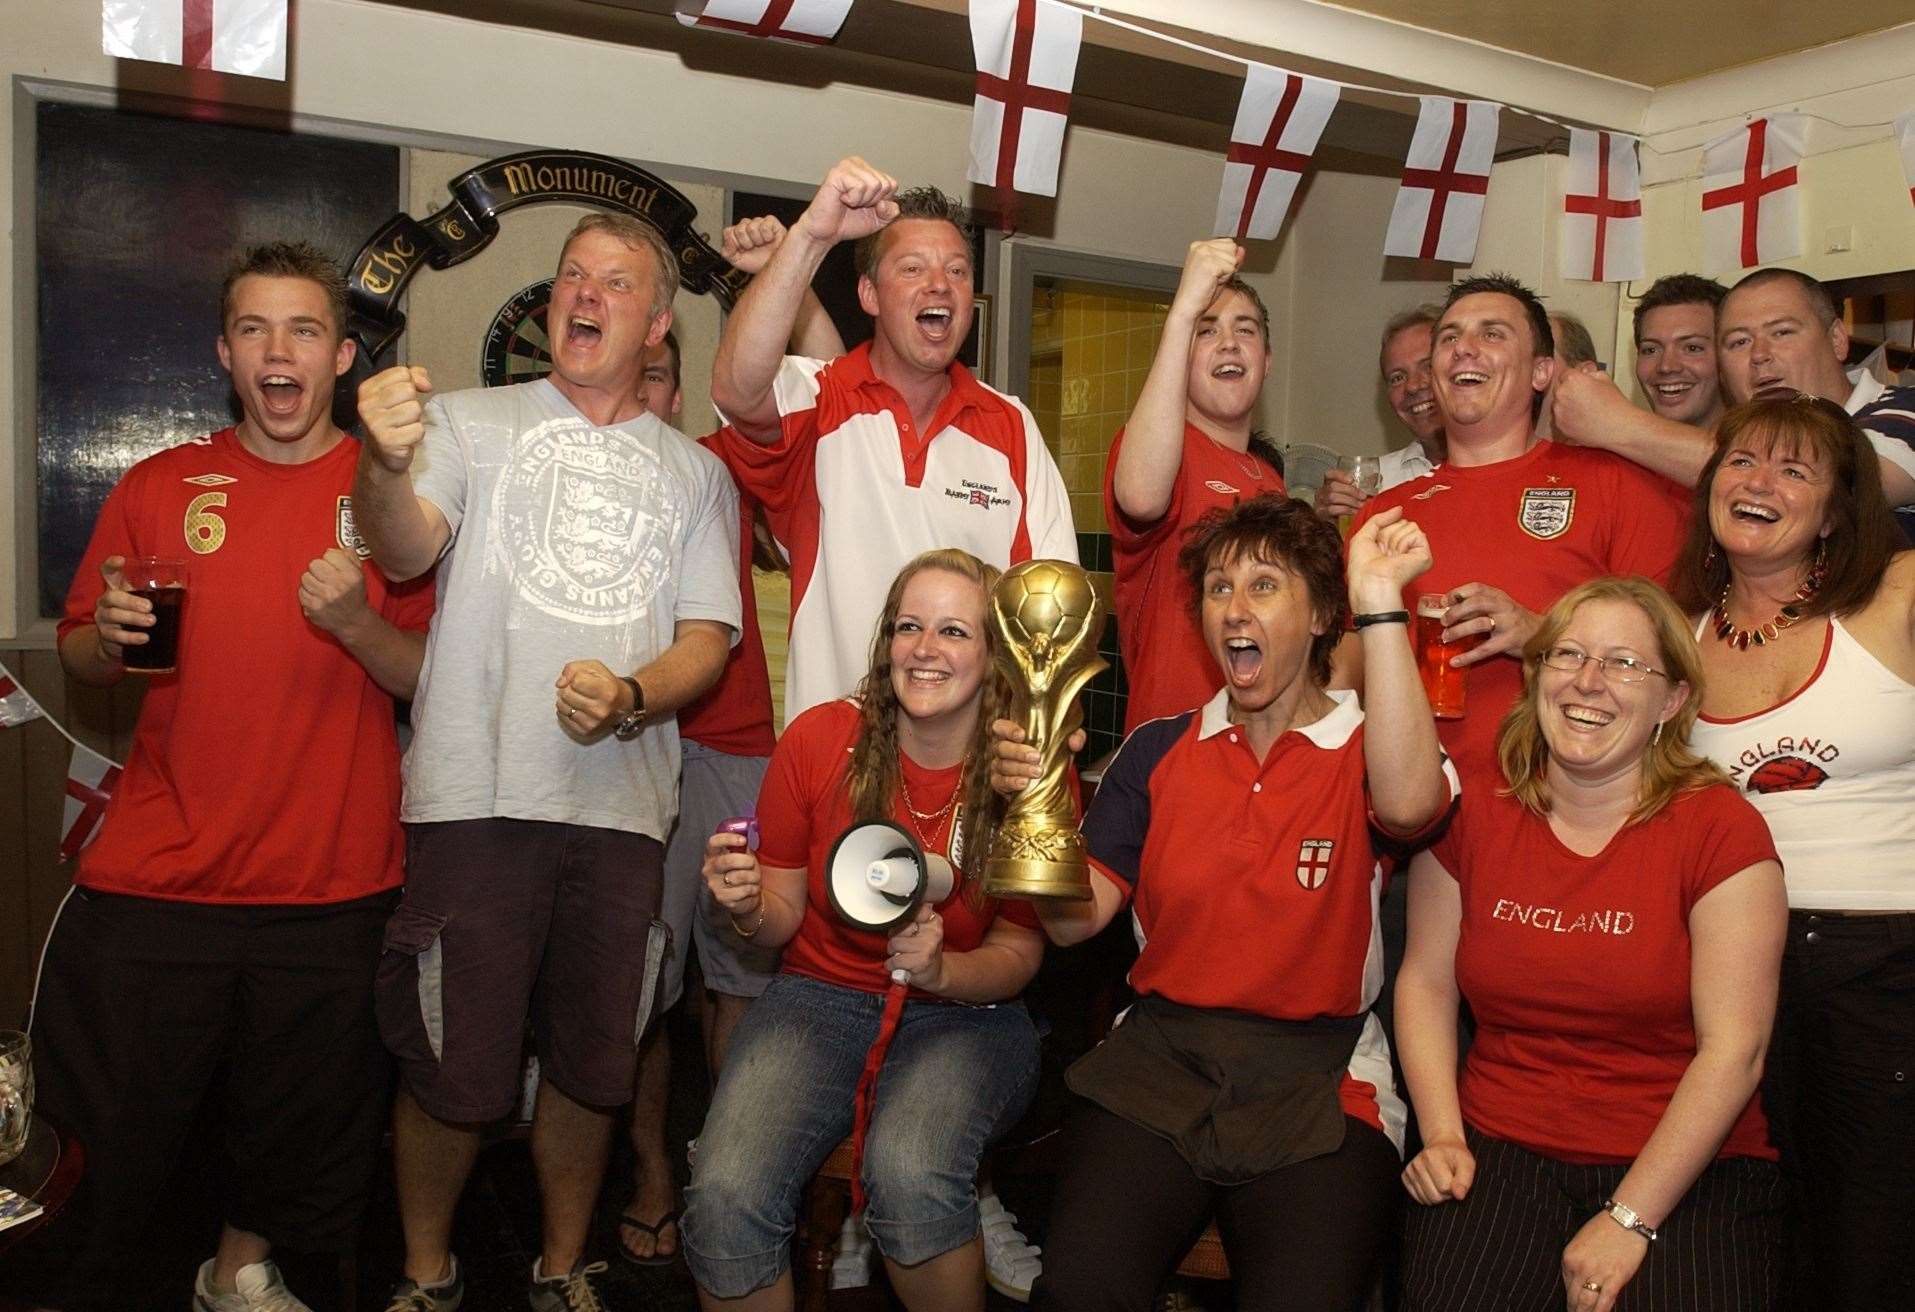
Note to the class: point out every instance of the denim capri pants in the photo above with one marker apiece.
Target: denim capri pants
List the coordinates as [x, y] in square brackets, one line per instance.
[955, 1077]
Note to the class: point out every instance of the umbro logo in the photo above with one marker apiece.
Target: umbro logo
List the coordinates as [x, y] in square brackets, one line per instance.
[209, 480]
[1426, 494]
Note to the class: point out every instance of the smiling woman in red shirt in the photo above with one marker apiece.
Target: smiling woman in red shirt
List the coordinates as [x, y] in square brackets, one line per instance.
[1614, 917]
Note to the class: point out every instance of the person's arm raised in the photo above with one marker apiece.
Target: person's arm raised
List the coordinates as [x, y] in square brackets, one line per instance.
[854, 201]
[1153, 450]
[1401, 757]
[748, 246]
[406, 532]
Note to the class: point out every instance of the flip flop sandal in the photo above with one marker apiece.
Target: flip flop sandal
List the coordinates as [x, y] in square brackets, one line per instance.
[656, 1229]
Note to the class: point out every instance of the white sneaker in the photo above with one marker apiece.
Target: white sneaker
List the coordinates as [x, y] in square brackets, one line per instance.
[258, 1289]
[1011, 1262]
[851, 1268]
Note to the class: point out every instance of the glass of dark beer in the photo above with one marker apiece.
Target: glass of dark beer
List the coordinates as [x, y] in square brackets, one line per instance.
[1441, 681]
[162, 581]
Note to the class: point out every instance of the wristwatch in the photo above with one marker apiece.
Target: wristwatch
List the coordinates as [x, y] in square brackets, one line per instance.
[634, 720]
[1625, 1216]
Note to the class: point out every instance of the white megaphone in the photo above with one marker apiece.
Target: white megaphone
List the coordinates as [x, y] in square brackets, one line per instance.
[878, 876]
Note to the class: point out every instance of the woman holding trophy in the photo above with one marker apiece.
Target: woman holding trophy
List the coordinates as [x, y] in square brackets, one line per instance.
[911, 751]
[1250, 1082]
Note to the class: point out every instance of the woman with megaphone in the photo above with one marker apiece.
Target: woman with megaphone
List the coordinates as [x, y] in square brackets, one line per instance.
[1249, 1082]
[872, 807]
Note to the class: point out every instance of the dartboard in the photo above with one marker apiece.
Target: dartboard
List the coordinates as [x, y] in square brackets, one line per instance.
[517, 349]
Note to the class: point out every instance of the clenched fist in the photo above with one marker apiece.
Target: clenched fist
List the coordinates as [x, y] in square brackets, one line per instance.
[749, 243]
[392, 406]
[1208, 265]
[332, 591]
[854, 201]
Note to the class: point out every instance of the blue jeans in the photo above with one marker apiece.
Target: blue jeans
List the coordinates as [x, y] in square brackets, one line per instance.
[954, 1077]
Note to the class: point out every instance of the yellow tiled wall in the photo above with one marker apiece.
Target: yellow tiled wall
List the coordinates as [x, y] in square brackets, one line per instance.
[1091, 349]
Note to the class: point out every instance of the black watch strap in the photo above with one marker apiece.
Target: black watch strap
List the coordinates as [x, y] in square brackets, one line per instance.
[634, 719]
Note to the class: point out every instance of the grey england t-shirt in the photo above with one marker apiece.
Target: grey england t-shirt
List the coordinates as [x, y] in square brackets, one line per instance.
[569, 542]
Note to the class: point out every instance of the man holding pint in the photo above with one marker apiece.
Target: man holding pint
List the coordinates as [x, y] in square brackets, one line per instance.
[589, 589]
[224, 926]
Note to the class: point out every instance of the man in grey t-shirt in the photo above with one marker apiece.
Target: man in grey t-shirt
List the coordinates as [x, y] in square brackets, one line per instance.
[589, 588]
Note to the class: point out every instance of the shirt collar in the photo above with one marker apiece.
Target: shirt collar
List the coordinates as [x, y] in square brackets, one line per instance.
[966, 391]
[1331, 732]
[1868, 389]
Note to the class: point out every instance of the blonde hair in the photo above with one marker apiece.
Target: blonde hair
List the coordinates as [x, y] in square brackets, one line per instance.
[1669, 765]
[873, 776]
[637, 235]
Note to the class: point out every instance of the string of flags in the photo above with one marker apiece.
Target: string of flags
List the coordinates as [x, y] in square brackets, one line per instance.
[91, 778]
[1025, 53]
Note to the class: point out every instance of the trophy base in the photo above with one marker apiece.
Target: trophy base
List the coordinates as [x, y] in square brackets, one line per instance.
[1024, 879]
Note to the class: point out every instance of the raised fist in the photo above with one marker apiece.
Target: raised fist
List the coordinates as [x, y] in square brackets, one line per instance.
[392, 405]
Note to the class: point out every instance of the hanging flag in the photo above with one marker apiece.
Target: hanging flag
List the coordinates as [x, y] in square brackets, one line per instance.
[810, 22]
[1026, 63]
[1439, 207]
[226, 36]
[1601, 237]
[1279, 122]
[90, 781]
[1905, 138]
[1750, 201]
[16, 707]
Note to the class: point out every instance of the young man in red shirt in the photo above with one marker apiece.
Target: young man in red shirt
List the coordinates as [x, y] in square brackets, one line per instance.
[227, 921]
[1187, 448]
[1515, 520]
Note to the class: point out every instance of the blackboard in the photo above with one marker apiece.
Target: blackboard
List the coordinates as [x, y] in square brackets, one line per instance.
[137, 218]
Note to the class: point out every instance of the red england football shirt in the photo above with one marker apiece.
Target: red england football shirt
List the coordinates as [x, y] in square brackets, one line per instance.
[265, 770]
[802, 809]
[1535, 527]
[1576, 969]
[1166, 664]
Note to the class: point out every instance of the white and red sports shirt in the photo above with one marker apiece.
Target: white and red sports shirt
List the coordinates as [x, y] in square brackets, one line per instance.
[853, 491]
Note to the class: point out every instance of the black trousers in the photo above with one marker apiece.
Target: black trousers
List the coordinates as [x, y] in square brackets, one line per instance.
[1840, 1094]
[1307, 1237]
[1501, 1247]
[144, 1007]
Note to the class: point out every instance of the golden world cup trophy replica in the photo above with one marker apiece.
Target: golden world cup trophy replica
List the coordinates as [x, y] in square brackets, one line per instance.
[1048, 619]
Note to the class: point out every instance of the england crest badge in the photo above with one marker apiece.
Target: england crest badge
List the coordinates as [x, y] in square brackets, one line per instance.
[1313, 861]
[1546, 512]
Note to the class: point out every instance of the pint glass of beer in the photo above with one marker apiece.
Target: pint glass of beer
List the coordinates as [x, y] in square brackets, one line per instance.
[162, 581]
[1443, 684]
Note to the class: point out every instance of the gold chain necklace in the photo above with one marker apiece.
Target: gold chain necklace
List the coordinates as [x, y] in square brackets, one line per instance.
[920, 819]
[1763, 634]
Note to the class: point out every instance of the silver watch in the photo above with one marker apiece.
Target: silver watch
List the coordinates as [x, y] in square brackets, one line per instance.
[1625, 1216]
[633, 722]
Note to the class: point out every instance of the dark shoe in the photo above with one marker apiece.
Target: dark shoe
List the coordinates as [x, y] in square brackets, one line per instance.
[410, 1296]
[572, 1292]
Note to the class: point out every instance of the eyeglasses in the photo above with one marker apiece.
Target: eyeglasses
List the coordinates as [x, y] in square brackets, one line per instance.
[1615, 669]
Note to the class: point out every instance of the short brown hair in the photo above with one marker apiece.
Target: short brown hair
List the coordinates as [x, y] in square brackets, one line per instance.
[917, 203]
[1679, 289]
[1820, 302]
[1279, 531]
[637, 235]
[1669, 765]
[288, 259]
[1502, 284]
[1862, 531]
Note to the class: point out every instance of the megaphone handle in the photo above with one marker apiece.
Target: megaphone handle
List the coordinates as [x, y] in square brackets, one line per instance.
[863, 1101]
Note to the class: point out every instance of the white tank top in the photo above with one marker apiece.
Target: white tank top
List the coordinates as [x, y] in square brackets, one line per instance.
[1832, 769]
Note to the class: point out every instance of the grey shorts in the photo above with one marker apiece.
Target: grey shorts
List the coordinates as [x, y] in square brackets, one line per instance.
[505, 919]
[712, 788]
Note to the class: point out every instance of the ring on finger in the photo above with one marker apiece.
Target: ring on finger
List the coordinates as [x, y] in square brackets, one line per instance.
[1592, 1286]
[728, 883]
[570, 711]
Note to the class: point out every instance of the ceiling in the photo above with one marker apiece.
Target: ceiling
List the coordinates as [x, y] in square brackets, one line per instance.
[1648, 42]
